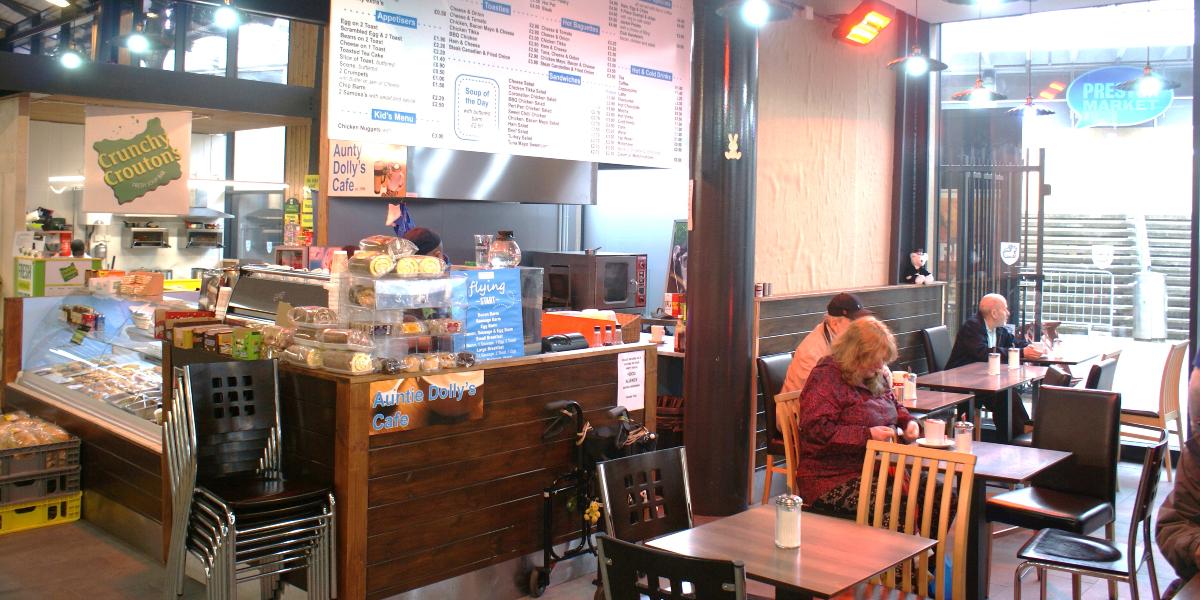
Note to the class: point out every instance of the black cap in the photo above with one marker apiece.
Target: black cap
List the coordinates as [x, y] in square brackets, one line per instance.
[425, 239]
[846, 305]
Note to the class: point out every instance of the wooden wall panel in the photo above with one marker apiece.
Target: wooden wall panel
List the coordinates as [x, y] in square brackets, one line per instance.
[783, 321]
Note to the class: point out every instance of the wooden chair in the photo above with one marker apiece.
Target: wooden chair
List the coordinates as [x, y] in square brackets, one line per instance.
[1168, 405]
[914, 464]
[1102, 374]
[787, 416]
[1082, 555]
[632, 571]
[772, 371]
[646, 495]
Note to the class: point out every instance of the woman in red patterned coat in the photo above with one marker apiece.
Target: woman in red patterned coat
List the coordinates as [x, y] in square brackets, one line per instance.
[846, 401]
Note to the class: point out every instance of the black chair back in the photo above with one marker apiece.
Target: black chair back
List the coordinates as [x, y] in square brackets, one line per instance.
[646, 495]
[937, 347]
[1085, 423]
[1056, 376]
[622, 565]
[235, 408]
[772, 371]
[1101, 375]
[1148, 485]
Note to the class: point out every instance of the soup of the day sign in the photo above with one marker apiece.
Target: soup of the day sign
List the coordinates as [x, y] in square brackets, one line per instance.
[136, 162]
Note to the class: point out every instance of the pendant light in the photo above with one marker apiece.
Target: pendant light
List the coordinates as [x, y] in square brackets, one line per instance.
[1029, 109]
[1150, 84]
[916, 64]
[979, 96]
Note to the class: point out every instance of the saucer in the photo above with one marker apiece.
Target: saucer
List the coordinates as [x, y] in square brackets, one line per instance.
[946, 443]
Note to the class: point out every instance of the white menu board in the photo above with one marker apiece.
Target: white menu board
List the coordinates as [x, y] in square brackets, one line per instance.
[591, 80]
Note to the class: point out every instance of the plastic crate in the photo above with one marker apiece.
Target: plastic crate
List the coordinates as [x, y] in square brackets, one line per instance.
[29, 515]
[36, 459]
[38, 486]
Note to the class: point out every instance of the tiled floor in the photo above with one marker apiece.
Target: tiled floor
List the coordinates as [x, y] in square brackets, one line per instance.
[77, 561]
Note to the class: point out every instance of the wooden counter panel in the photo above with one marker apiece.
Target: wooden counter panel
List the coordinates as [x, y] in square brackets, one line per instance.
[437, 479]
[390, 517]
[399, 458]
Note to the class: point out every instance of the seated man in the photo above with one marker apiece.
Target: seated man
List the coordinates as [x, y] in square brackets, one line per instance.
[983, 334]
[841, 310]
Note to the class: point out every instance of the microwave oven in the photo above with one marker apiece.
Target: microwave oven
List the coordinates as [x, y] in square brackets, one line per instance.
[602, 280]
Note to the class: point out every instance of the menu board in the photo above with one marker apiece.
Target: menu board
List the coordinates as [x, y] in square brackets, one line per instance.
[590, 80]
[493, 325]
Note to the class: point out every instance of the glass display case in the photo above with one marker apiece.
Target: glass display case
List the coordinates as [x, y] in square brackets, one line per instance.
[410, 316]
[98, 355]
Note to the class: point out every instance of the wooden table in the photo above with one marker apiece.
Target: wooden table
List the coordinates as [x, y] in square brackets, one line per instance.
[834, 554]
[974, 379]
[931, 401]
[1069, 353]
[1002, 463]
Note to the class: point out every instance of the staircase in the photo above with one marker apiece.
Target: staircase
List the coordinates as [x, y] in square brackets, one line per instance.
[1069, 240]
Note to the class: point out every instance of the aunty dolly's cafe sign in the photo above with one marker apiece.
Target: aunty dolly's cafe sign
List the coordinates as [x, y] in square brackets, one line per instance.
[136, 162]
[1096, 101]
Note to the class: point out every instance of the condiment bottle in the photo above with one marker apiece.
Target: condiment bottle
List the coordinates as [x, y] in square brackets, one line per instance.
[597, 337]
[787, 521]
[618, 337]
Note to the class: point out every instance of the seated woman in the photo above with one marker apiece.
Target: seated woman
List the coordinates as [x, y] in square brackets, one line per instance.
[846, 401]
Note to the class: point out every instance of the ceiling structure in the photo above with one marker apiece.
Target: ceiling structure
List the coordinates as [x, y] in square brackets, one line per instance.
[943, 11]
[14, 11]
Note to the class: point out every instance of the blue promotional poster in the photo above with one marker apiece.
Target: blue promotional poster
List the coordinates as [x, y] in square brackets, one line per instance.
[1096, 101]
[493, 327]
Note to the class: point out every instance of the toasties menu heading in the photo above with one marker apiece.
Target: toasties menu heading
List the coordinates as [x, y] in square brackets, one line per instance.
[592, 80]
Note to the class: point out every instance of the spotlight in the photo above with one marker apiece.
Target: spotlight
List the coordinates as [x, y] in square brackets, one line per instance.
[70, 59]
[756, 13]
[916, 66]
[137, 43]
[226, 17]
[1149, 86]
[59, 3]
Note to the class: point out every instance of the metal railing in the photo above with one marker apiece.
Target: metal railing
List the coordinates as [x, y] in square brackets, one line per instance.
[1079, 298]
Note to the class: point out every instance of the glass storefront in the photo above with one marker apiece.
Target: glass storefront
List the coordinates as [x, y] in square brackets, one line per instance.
[1080, 214]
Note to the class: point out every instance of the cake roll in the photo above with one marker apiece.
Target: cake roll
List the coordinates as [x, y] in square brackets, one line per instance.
[347, 361]
[371, 264]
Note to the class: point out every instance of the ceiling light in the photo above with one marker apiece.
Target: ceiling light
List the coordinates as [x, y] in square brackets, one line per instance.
[70, 59]
[59, 3]
[151, 14]
[757, 13]
[137, 43]
[1150, 84]
[1029, 109]
[979, 96]
[864, 23]
[226, 17]
[916, 64]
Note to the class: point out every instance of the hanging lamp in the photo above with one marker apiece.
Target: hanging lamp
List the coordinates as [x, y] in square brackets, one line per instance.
[1029, 109]
[916, 64]
[1150, 84]
[979, 96]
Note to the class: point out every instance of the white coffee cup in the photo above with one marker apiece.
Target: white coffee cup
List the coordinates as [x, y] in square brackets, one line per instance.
[656, 333]
[935, 431]
[993, 365]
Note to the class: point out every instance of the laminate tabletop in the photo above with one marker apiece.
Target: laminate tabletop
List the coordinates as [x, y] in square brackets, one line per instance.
[974, 377]
[1003, 462]
[932, 400]
[834, 554]
[1073, 351]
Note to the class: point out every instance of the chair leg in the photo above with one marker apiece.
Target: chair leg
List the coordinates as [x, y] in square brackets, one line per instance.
[767, 478]
[1110, 531]
[987, 571]
[1041, 583]
[1076, 586]
[1154, 593]
[1170, 469]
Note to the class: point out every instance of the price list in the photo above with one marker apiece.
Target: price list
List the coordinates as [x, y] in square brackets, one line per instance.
[592, 80]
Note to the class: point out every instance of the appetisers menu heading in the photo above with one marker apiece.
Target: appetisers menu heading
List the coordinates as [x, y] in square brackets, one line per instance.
[591, 80]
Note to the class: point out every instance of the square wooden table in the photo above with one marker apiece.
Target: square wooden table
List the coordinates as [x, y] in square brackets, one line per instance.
[973, 378]
[1002, 463]
[1069, 353]
[932, 401]
[834, 554]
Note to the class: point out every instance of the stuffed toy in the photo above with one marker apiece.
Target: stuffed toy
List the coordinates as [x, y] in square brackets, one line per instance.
[915, 271]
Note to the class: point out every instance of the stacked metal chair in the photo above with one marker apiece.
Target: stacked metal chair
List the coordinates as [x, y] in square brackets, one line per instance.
[231, 505]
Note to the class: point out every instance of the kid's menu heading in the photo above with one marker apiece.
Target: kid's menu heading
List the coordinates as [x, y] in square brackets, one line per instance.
[590, 80]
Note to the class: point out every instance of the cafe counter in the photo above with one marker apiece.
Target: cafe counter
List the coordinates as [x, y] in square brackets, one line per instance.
[450, 490]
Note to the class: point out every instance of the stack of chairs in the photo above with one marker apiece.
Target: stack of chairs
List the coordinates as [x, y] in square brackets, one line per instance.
[231, 505]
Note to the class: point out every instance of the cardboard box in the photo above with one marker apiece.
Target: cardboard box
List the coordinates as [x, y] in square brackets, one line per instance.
[165, 319]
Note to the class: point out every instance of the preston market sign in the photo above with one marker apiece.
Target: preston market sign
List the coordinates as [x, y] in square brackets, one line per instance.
[1097, 102]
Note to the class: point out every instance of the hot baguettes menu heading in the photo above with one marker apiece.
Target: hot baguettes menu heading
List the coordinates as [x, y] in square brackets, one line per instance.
[592, 80]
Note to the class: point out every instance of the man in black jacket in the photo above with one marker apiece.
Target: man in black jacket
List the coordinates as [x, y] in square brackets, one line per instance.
[983, 334]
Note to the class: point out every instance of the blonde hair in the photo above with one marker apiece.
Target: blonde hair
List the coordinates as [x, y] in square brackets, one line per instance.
[862, 346]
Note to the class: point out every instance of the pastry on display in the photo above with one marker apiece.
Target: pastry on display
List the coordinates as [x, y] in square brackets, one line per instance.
[345, 337]
[372, 264]
[362, 295]
[347, 361]
[275, 336]
[412, 363]
[313, 315]
[390, 245]
[390, 366]
[447, 360]
[430, 362]
[303, 355]
[430, 265]
[413, 327]
[444, 326]
[465, 359]
[408, 266]
[19, 430]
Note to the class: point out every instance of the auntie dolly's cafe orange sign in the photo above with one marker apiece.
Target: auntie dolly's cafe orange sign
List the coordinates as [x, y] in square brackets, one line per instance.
[414, 402]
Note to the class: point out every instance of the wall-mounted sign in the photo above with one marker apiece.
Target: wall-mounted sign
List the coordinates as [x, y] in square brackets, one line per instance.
[589, 81]
[631, 380]
[1102, 255]
[414, 402]
[1010, 252]
[493, 325]
[365, 169]
[136, 162]
[1096, 101]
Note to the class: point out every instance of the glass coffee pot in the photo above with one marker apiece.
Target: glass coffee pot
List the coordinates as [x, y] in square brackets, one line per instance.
[504, 252]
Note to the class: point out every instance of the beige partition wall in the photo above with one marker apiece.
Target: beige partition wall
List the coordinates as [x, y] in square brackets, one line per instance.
[14, 163]
[826, 112]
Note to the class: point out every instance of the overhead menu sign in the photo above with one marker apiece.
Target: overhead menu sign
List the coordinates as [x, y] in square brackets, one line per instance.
[596, 80]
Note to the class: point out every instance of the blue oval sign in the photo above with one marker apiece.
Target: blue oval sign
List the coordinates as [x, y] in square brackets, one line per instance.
[1097, 102]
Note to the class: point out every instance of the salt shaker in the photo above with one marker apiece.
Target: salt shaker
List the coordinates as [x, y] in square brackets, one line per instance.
[787, 521]
[964, 435]
[1014, 358]
[910, 387]
[993, 364]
